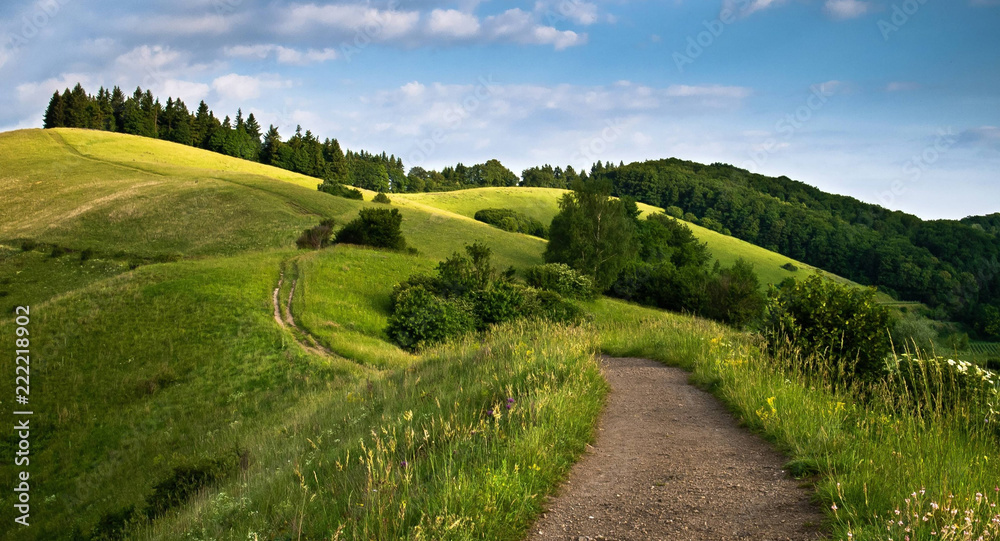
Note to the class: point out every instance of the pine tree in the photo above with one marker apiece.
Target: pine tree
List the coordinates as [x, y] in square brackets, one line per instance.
[54, 114]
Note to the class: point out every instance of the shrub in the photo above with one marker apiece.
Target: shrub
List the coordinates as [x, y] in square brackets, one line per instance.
[420, 318]
[790, 267]
[551, 306]
[339, 190]
[379, 228]
[467, 293]
[316, 237]
[499, 303]
[676, 212]
[382, 198]
[183, 482]
[111, 526]
[86, 254]
[28, 245]
[562, 279]
[57, 251]
[513, 221]
[734, 296]
[825, 319]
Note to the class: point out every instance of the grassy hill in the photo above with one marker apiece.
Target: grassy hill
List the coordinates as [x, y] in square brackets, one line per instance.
[543, 203]
[170, 404]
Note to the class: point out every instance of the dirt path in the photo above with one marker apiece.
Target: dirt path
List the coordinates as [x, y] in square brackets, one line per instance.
[670, 462]
[303, 338]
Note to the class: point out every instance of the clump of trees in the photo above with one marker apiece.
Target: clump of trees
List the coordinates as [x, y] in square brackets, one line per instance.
[656, 261]
[949, 265]
[380, 228]
[467, 293]
[340, 190]
[513, 221]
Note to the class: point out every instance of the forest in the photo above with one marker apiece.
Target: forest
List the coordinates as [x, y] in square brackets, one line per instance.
[952, 266]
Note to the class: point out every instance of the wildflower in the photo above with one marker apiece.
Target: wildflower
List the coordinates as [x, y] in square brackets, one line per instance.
[834, 507]
[404, 464]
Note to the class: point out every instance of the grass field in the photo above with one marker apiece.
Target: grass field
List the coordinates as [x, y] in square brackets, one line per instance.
[147, 377]
[543, 203]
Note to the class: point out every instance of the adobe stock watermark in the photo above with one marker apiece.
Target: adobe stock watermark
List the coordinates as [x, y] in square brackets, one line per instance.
[31, 25]
[918, 164]
[789, 125]
[592, 149]
[423, 149]
[365, 34]
[697, 44]
[901, 14]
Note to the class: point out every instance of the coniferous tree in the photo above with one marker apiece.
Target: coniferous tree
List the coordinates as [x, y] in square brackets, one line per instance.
[54, 113]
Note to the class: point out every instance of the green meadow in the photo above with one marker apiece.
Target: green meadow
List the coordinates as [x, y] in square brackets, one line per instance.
[543, 203]
[171, 405]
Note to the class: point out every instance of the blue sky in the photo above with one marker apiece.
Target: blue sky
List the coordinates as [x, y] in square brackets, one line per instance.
[892, 101]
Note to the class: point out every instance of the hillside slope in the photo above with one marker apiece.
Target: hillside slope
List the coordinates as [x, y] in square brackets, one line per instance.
[543, 203]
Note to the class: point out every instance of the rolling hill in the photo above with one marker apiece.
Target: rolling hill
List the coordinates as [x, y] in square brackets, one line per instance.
[170, 404]
[543, 203]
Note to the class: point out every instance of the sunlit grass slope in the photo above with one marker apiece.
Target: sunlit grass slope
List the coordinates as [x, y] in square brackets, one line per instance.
[140, 197]
[543, 203]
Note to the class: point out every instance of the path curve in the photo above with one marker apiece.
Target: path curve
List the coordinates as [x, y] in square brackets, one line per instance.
[670, 462]
[288, 322]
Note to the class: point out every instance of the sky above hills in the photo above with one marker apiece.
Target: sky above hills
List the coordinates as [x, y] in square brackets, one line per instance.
[895, 102]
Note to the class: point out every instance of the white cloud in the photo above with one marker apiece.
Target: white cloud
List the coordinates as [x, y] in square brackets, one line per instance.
[284, 55]
[748, 7]
[376, 24]
[846, 9]
[715, 91]
[453, 23]
[239, 88]
[519, 26]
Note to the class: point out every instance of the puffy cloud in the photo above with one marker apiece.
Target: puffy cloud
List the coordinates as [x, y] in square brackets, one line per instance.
[453, 23]
[284, 55]
[239, 88]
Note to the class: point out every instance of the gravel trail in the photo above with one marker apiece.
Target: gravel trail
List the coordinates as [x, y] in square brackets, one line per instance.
[670, 462]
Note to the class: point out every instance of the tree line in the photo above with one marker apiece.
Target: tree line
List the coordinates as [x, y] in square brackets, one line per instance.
[952, 266]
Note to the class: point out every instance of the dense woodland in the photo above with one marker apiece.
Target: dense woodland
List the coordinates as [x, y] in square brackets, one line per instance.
[953, 266]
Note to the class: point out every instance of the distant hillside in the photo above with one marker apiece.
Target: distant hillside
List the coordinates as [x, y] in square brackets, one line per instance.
[953, 266]
[543, 203]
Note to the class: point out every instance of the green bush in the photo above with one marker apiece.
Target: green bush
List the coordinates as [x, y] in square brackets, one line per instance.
[842, 323]
[374, 227]
[499, 303]
[28, 245]
[513, 221]
[551, 306]
[467, 293]
[941, 386]
[562, 279]
[183, 482]
[316, 237]
[790, 267]
[382, 198]
[733, 296]
[339, 190]
[420, 318]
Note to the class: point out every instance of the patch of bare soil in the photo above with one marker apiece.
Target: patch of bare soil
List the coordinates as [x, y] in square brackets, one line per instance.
[670, 462]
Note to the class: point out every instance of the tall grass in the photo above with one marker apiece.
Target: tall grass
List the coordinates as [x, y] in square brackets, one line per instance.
[881, 457]
[463, 445]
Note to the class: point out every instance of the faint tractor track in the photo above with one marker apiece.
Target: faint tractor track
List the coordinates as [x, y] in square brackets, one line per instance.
[287, 321]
